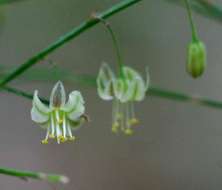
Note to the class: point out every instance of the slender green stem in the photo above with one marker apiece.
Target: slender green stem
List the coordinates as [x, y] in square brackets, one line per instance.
[22, 93]
[193, 28]
[115, 44]
[66, 38]
[34, 175]
[182, 97]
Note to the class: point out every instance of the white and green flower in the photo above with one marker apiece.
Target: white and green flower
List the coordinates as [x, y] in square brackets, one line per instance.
[60, 117]
[124, 90]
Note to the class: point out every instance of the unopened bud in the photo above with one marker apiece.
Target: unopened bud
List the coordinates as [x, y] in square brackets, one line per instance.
[196, 62]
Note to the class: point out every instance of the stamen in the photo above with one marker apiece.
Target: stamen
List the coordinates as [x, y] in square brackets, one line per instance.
[52, 135]
[128, 131]
[58, 117]
[132, 112]
[127, 115]
[70, 133]
[45, 141]
[64, 125]
[115, 127]
[58, 133]
[133, 121]
[121, 118]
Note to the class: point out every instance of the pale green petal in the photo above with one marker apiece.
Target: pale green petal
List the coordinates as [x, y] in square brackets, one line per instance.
[105, 91]
[38, 117]
[140, 90]
[58, 95]
[75, 125]
[104, 82]
[39, 112]
[129, 91]
[138, 86]
[130, 73]
[74, 108]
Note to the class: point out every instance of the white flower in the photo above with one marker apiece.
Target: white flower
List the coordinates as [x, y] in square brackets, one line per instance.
[124, 89]
[60, 117]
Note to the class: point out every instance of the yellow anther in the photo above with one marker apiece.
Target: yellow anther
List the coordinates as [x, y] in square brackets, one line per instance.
[62, 138]
[45, 141]
[119, 116]
[115, 130]
[128, 131]
[73, 138]
[60, 121]
[51, 136]
[133, 121]
[115, 127]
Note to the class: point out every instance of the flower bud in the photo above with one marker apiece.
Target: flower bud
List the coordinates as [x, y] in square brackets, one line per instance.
[196, 62]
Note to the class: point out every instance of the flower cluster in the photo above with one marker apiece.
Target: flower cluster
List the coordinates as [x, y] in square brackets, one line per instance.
[60, 117]
[124, 90]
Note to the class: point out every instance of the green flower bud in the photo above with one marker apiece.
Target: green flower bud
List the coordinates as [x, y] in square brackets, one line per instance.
[196, 62]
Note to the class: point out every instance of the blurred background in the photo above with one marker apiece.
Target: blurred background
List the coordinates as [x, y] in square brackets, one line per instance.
[177, 146]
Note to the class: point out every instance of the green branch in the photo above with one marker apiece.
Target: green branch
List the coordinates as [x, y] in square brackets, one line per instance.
[66, 38]
[34, 175]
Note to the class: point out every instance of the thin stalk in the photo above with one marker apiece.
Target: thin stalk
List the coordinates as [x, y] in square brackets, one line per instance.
[193, 28]
[84, 26]
[182, 97]
[22, 93]
[25, 175]
[115, 43]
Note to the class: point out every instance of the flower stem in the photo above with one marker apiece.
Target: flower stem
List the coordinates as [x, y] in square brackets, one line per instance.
[192, 25]
[115, 43]
[34, 175]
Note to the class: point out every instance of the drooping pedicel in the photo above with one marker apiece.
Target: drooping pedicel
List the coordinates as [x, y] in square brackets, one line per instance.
[123, 90]
[59, 118]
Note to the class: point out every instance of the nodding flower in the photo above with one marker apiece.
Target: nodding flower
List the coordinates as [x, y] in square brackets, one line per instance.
[123, 90]
[59, 118]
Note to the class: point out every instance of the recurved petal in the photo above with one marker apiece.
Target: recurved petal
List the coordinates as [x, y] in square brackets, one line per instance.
[77, 123]
[106, 72]
[38, 116]
[39, 112]
[39, 105]
[130, 74]
[74, 108]
[104, 82]
[105, 90]
[139, 90]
